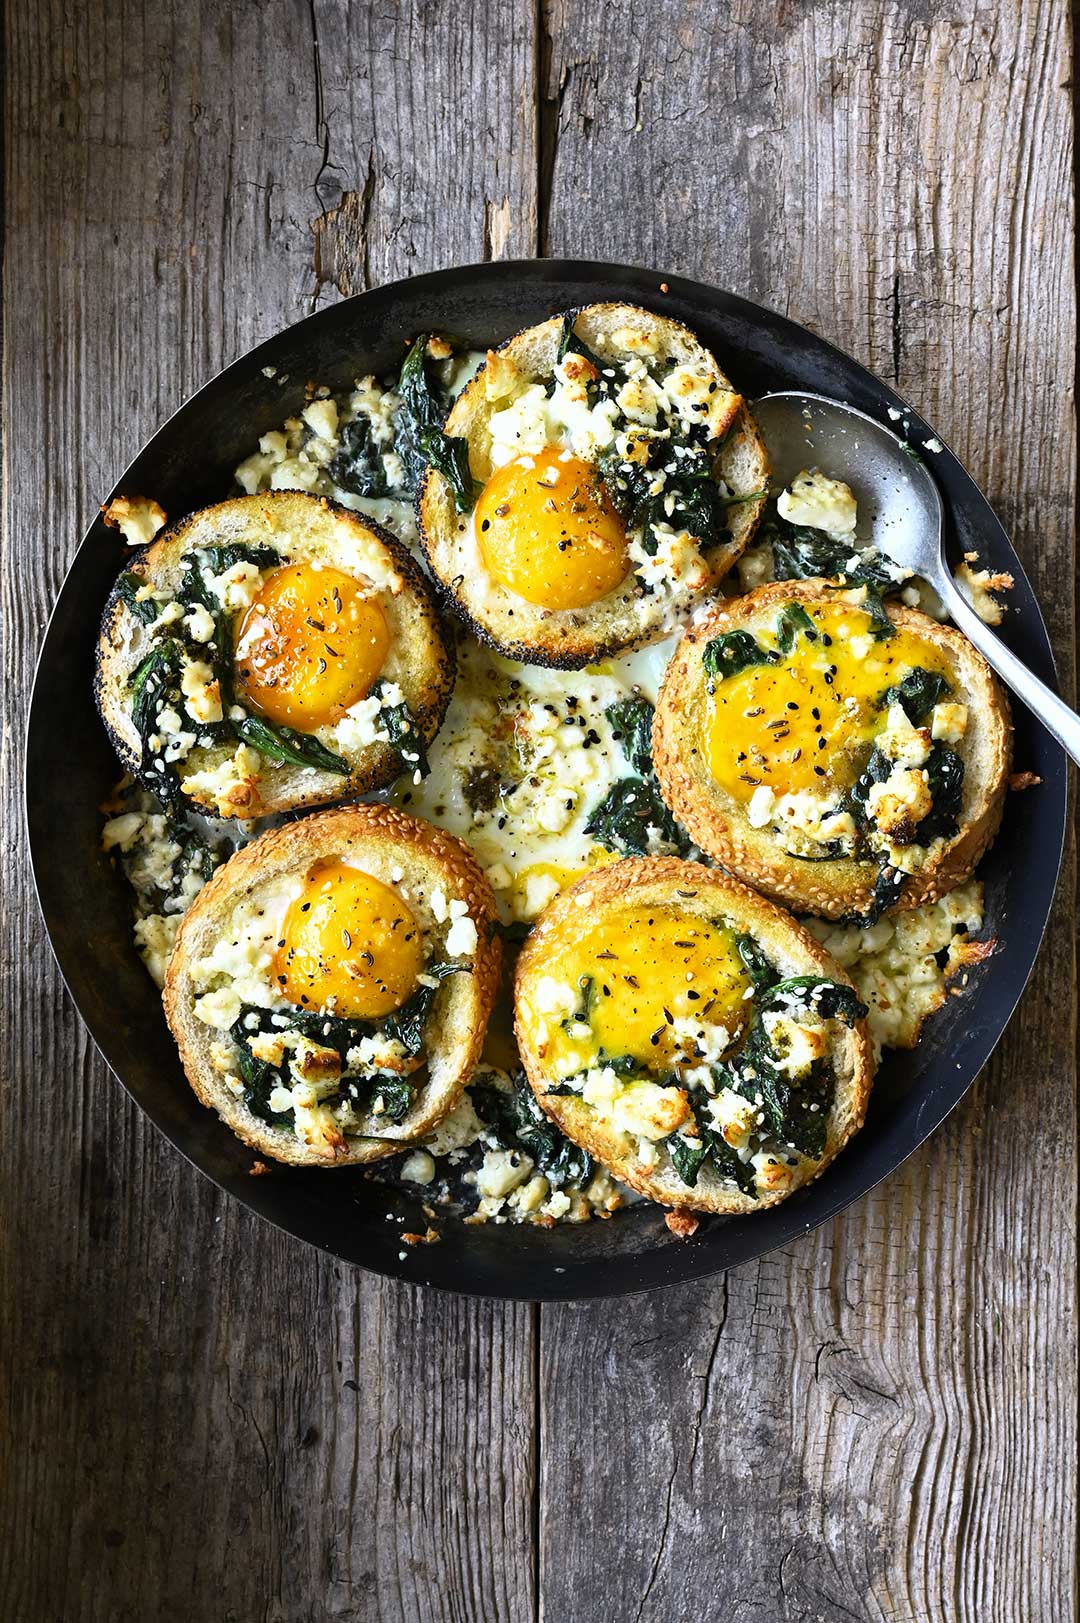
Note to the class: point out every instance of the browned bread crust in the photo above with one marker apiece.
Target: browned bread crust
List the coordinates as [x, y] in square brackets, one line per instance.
[703, 892]
[421, 661]
[571, 638]
[844, 886]
[385, 842]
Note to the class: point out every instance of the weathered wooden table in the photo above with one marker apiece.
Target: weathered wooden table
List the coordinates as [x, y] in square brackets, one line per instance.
[202, 1419]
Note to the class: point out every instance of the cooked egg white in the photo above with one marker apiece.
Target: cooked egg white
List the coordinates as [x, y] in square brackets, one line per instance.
[523, 758]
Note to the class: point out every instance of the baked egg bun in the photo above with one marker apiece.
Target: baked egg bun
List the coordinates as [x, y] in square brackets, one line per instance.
[844, 756]
[330, 987]
[597, 477]
[271, 652]
[691, 1036]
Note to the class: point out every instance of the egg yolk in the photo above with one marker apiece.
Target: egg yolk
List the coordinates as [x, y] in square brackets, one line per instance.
[549, 533]
[311, 644]
[648, 967]
[807, 722]
[348, 937]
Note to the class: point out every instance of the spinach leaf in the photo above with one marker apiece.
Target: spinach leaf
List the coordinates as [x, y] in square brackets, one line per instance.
[405, 736]
[571, 344]
[876, 770]
[622, 820]
[762, 972]
[801, 553]
[917, 694]
[685, 1158]
[517, 1120]
[631, 721]
[830, 1000]
[789, 1112]
[792, 619]
[734, 651]
[259, 1078]
[286, 745]
[423, 406]
[449, 455]
[357, 464]
[688, 1161]
[144, 609]
[395, 1092]
[795, 1114]
[406, 1025]
[222, 557]
[153, 685]
[691, 498]
[881, 627]
[945, 776]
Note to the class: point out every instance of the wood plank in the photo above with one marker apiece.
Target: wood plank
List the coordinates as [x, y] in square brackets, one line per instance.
[882, 1422]
[201, 1418]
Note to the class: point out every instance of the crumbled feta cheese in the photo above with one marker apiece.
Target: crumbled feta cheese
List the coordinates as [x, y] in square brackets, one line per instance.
[418, 1167]
[820, 503]
[502, 1171]
[138, 518]
[200, 623]
[948, 722]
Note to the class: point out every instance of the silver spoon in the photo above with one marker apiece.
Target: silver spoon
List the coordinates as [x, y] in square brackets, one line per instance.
[900, 512]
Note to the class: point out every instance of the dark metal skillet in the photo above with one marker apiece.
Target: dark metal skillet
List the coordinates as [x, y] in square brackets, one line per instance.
[69, 769]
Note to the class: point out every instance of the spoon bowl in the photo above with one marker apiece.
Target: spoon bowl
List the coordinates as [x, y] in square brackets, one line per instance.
[900, 510]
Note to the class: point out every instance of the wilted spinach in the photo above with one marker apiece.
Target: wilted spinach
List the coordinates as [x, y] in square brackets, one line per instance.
[145, 608]
[449, 455]
[518, 1122]
[792, 620]
[917, 694]
[945, 777]
[688, 1161]
[405, 736]
[631, 721]
[288, 746]
[734, 651]
[631, 807]
[357, 464]
[762, 972]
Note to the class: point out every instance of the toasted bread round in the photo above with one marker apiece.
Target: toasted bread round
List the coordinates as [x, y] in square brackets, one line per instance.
[227, 776]
[225, 948]
[657, 592]
[698, 896]
[834, 879]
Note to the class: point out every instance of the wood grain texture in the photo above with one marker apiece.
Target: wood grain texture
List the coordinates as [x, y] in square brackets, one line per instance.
[199, 1417]
[880, 1424]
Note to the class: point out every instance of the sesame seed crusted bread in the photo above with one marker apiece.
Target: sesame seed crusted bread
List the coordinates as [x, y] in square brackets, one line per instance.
[302, 529]
[430, 871]
[704, 894]
[840, 886]
[630, 615]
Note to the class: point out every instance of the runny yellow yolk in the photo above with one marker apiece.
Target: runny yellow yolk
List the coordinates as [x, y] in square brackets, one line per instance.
[806, 723]
[311, 644]
[348, 937]
[549, 533]
[649, 967]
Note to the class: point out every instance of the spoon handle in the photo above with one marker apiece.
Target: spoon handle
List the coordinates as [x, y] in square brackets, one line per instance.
[1060, 722]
